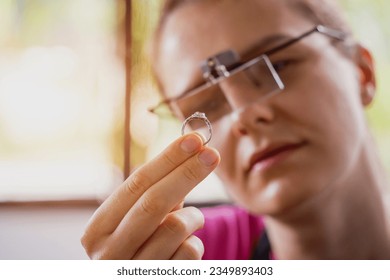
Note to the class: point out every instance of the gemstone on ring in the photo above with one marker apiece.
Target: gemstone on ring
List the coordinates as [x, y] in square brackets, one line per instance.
[199, 116]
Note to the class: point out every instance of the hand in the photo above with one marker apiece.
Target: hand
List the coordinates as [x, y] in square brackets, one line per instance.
[144, 217]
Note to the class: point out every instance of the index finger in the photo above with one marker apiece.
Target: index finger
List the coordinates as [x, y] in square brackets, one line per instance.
[114, 208]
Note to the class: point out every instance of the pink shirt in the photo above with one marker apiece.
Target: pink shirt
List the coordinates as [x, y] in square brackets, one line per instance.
[230, 233]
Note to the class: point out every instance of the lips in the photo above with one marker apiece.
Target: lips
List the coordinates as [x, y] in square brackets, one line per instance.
[272, 151]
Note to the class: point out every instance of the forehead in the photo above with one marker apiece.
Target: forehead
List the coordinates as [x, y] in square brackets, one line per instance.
[201, 29]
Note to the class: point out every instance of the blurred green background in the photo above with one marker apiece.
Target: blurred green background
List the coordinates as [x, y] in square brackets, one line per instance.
[371, 24]
[62, 85]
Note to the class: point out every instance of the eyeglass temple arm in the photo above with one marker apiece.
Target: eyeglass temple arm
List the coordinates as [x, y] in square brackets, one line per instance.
[336, 34]
[156, 107]
[333, 33]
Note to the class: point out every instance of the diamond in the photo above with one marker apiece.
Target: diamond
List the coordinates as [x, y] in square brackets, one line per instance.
[199, 115]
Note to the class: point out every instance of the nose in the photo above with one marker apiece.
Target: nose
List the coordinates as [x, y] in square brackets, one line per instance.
[251, 119]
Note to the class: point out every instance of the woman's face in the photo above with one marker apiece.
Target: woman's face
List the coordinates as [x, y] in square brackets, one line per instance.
[281, 151]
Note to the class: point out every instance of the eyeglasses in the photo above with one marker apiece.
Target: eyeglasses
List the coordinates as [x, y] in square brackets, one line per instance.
[257, 78]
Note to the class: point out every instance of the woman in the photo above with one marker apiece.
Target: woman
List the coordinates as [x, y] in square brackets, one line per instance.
[285, 87]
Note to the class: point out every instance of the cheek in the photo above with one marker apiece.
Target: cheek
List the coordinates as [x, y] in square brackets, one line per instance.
[330, 116]
[323, 99]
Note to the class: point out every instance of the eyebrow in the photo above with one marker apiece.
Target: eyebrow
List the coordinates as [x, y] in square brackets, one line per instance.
[263, 45]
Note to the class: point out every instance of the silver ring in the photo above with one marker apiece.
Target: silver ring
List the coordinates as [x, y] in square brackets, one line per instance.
[198, 116]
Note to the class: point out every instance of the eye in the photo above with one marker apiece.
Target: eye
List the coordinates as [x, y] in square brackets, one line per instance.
[279, 66]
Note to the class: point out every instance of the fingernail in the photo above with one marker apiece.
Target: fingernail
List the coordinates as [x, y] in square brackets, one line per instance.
[208, 157]
[191, 143]
[201, 136]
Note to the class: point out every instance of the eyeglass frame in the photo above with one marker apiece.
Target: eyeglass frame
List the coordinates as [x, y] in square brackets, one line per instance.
[330, 32]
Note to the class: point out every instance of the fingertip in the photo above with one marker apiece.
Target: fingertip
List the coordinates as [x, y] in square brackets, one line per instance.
[197, 245]
[198, 214]
[191, 142]
[209, 157]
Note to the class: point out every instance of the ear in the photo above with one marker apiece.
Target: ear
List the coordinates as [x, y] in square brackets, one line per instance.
[365, 64]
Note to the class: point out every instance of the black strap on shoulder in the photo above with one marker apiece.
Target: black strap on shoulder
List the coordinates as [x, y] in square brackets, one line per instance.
[263, 248]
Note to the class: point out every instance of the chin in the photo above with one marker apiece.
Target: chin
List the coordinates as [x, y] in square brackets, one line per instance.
[277, 197]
